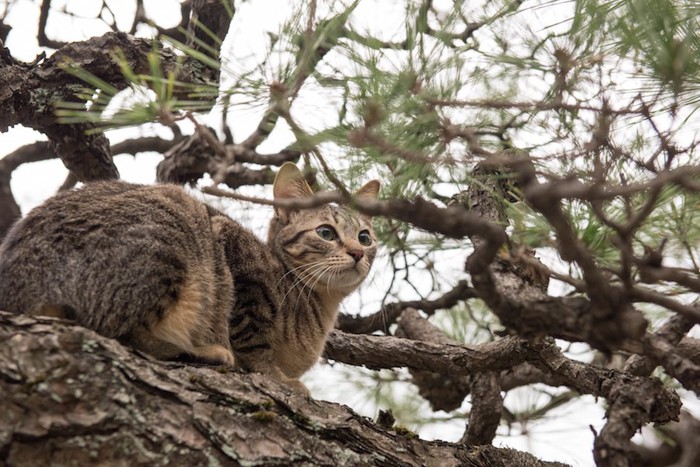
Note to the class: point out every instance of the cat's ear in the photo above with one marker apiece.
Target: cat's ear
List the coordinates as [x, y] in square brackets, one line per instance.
[369, 190]
[290, 183]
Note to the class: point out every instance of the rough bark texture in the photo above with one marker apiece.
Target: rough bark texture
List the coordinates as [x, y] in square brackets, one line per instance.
[189, 160]
[72, 397]
[29, 93]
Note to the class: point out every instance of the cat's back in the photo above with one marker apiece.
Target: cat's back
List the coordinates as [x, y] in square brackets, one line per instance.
[108, 217]
[104, 247]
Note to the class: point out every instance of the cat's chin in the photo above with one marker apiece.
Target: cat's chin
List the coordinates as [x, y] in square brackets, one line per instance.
[342, 283]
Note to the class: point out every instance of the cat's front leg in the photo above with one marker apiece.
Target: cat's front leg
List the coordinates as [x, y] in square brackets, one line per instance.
[214, 353]
[293, 383]
[144, 340]
[297, 385]
[263, 362]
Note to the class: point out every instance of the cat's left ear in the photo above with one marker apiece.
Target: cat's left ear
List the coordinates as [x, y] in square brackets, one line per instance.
[289, 184]
[369, 190]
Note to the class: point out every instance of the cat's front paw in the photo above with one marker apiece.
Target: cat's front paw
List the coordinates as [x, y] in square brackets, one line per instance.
[298, 386]
[215, 354]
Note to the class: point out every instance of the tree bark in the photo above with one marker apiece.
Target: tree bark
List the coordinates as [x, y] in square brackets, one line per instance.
[72, 397]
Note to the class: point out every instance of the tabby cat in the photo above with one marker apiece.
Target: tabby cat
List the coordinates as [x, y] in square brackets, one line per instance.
[169, 275]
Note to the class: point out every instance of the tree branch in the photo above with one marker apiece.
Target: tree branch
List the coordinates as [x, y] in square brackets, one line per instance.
[378, 352]
[44, 40]
[9, 210]
[389, 313]
[443, 391]
[65, 386]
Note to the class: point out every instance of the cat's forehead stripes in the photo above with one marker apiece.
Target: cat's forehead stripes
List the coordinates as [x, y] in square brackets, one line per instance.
[344, 218]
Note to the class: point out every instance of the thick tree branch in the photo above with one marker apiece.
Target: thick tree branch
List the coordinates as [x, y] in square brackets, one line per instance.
[632, 401]
[617, 323]
[378, 352]
[666, 337]
[64, 386]
[516, 292]
[29, 93]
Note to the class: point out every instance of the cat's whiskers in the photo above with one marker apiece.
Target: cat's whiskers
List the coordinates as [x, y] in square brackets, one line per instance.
[332, 293]
[293, 287]
[310, 284]
[334, 273]
[318, 274]
[330, 268]
[305, 278]
[294, 270]
[329, 301]
[305, 271]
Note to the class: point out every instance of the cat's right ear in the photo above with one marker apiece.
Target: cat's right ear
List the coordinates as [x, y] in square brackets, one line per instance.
[289, 184]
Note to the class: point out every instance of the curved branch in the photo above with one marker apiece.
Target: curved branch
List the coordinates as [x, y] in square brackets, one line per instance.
[9, 210]
[44, 40]
[389, 313]
[28, 94]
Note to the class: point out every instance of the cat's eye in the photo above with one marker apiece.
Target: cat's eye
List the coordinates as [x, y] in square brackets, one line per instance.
[326, 232]
[365, 238]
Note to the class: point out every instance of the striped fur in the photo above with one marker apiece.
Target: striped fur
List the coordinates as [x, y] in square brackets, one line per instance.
[161, 271]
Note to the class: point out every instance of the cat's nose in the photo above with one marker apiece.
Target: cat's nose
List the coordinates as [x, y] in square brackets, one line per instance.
[356, 253]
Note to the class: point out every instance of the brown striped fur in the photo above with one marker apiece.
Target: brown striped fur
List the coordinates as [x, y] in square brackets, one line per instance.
[165, 273]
